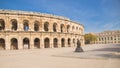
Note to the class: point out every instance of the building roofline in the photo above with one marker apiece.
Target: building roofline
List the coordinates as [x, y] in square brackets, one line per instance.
[7, 11]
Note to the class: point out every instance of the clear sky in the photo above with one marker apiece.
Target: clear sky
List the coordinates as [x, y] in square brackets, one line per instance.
[95, 15]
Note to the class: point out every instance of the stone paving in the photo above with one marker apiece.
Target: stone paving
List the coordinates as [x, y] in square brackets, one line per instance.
[94, 56]
[110, 51]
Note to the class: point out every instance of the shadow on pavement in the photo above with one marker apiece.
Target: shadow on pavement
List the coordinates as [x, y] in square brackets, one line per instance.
[108, 49]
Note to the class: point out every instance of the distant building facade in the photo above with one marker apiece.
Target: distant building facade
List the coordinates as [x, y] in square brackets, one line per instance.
[29, 30]
[108, 37]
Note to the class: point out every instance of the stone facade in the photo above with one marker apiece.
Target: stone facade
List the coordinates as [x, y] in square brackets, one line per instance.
[108, 37]
[29, 30]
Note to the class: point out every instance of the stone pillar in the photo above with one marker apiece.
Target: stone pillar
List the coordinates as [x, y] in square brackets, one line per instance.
[7, 24]
[51, 42]
[116, 39]
[42, 26]
[50, 27]
[20, 42]
[42, 42]
[58, 28]
[66, 42]
[20, 25]
[7, 42]
[31, 43]
[65, 28]
[31, 25]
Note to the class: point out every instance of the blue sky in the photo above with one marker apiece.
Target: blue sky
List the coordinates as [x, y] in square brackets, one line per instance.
[95, 15]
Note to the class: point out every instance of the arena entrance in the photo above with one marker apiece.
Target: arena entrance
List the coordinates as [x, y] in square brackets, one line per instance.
[14, 44]
[55, 41]
[26, 44]
[62, 42]
[37, 43]
[69, 42]
[2, 24]
[14, 24]
[2, 44]
[46, 43]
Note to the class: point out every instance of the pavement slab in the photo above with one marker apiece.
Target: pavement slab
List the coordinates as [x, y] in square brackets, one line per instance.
[94, 56]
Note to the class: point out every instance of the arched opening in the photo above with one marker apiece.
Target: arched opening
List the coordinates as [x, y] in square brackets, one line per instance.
[46, 26]
[62, 27]
[74, 42]
[46, 43]
[69, 42]
[62, 42]
[55, 41]
[68, 28]
[36, 26]
[76, 28]
[26, 25]
[37, 43]
[73, 27]
[14, 24]
[55, 27]
[26, 44]
[14, 44]
[2, 24]
[2, 44]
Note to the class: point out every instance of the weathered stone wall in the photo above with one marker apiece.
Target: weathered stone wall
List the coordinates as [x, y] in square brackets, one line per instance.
[74, 32]
[108, 37]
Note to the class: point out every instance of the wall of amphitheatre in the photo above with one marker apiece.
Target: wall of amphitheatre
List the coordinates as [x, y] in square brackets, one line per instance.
[29, 30]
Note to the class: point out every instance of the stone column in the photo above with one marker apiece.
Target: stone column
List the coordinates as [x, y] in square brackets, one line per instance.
[31, 25]
[58, 28]
[42, 42]
[20, 42]
[51, 42]
[7, 24]
[66, 42]
[31, 43]
[42, 26]
[7, 42]
[20, 25]
[50, 27]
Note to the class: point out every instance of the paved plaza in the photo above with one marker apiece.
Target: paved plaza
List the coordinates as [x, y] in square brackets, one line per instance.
[94, 56]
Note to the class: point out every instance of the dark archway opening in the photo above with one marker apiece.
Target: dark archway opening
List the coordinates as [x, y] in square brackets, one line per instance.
[46, 43]
[46, 25]
[14, 24]
[68, 28]
[26, 44]
[37, 43]
[36, 26]
[2, 24]
[62, 42]
[14, 44]
[55, 27]
[2, 44]
[62, 27]
[26, 25]
[69, 44]
[55, 41]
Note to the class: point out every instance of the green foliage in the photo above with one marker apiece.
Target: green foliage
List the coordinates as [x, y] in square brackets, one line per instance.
[89, 38]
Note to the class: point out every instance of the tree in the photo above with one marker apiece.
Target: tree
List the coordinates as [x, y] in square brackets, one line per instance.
[89, 38]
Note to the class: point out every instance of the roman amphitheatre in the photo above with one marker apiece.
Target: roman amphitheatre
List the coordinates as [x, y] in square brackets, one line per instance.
[39, 40]
[30, 30]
